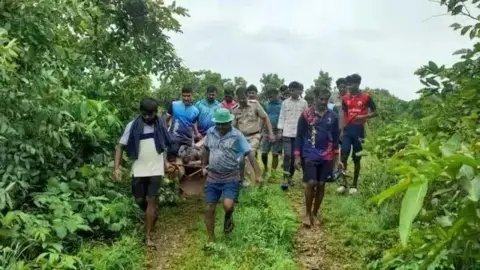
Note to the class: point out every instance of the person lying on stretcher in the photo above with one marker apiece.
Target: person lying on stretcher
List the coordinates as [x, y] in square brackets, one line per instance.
[188, 157]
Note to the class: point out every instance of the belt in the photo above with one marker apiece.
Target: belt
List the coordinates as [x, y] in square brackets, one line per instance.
[251, 134]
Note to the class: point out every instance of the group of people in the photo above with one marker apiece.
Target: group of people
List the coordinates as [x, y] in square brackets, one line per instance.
[314, 135]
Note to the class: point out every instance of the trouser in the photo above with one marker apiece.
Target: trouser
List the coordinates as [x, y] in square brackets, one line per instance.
[245, 166]
[288, 157]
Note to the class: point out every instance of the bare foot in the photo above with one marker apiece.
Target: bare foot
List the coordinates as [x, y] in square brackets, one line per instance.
[307, 221]
[316, 220]
[150, 242]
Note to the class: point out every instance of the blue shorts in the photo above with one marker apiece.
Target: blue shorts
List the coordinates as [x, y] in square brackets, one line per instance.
[230, 190]
[353, 136]
[318, 171]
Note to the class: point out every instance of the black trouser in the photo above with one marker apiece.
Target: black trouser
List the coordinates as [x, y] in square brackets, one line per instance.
[288, 157]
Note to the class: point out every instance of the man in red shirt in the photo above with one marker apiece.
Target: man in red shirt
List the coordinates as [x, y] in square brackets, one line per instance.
[357, 107]
[229, 102]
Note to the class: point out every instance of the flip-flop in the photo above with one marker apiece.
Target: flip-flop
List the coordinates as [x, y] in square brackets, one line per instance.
[228, 226]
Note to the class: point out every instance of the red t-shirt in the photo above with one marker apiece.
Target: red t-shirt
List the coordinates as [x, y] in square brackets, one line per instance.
[354, 105]
[230, 105]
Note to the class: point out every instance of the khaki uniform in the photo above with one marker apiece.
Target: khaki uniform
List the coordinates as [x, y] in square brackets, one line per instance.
[248, 120]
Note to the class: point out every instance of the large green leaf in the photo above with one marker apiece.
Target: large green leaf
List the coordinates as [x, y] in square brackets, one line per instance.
[472, 187]
[411, 205]
[452, 145]
[400, 187]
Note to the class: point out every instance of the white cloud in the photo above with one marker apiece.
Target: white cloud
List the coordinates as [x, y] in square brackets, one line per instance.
[384, 41]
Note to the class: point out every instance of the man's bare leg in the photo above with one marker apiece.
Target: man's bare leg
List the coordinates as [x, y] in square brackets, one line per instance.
[319, 194]
[210, 221]
[150, 219]
[309, 192]
[228, 206]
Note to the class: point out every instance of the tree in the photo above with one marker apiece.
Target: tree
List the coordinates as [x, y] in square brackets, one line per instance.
[170, 88]
[323, 81]
[235, 83]
[437, 166]
[269, 80]
[239, 81]
[71, 74]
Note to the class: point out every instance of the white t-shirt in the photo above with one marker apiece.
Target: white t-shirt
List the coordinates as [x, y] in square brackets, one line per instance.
[289, 115]
[149, 162]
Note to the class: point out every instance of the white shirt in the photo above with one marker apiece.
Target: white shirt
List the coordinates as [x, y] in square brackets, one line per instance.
[149, 162]
[289, 115]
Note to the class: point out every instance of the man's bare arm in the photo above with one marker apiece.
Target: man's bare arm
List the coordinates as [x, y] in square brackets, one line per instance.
[168, 117]
[205, 156]
[373, 110]
[266, 120]
[195, 129]
[267, 123]
[118, 157]
[253, 161]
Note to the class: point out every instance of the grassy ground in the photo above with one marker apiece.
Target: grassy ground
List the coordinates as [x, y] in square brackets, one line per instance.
[268, 234]
[126, 253]
[265, 226]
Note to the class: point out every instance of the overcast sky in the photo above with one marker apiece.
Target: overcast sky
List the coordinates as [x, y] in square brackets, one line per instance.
[384, 41]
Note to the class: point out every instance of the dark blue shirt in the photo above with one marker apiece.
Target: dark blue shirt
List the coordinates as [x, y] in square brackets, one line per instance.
[317, 136]
[183, 119]
[273, 112]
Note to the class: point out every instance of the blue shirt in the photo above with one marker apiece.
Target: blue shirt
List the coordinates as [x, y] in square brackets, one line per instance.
[207, 112]
[273, 111]
[183, 118]
[321, 145]
[224, 155]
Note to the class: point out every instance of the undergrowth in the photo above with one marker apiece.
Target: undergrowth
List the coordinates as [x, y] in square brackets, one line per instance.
[263, 237]
[125, 254]
[355, 229]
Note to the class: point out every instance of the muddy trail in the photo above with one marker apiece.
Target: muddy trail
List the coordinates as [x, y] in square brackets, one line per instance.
[319, 247]
[315, 248]
[173, 230]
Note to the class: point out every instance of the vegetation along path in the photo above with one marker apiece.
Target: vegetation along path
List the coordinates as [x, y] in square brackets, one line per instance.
[71, 76]
[174, 231]
[269, 234]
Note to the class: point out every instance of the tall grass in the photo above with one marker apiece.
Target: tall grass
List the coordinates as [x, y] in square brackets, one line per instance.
[128, 253]
[262, 239]
[360, 230]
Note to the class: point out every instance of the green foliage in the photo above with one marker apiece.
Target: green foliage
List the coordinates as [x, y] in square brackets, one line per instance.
[323, 81]
[170, 88]
[125, 253]
[436, 162]
[262, 239]
[70, 73]
[236, 82]
[389, 108]
[270, 80]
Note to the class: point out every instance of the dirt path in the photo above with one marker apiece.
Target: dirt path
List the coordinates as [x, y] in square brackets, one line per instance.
[313, 247]
[176, 225]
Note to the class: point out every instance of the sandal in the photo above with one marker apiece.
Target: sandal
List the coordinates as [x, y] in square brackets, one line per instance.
[228, 225]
